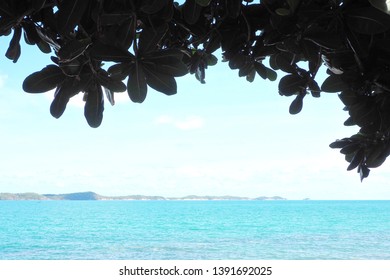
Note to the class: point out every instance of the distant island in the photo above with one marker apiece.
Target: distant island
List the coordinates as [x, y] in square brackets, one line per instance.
[95, 196]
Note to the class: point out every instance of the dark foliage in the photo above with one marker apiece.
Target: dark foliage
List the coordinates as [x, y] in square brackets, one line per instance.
[150, 42]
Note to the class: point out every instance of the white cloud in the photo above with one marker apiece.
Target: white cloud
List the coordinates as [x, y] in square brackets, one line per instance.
[187, 123]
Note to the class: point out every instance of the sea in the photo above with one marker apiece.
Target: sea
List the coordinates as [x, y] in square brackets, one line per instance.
[195, 230]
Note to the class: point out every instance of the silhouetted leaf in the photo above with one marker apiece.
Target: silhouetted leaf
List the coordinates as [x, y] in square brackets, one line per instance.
[261, 70]
[360, 47]
[382, 5]
[350, 149]
[291, 84]
[69, 14]
[293, 4]
[203, 3]
[284, 62]
[334, 83]
[136, 84]
[38, 4]
[377, 156]
[250, 77]
[71, 68]
[364, 172]
[234, 7]
[245, 69]
[356, 160]
[30, 33]
[194, 62]
[6, 25]
[160, 82]
[150, 38]
[55, 59]
[58, 106]
[282, 12]
[368, 20]
[13, 51]
[175, 68]
[153, 6]
[366, 116]
[44, 80]
[271, 75]
[191, 11]
[62, 95]
[73, 49]
[110, 83]
[237, 61]
[125, 34]
[42, 33]
[314, 88]
[272, 62]
[291, 46]
[27, 40]
[114, 18]
[6, 8]
[211, 59]
[109, 53]
[94, 105]
[323, 39]
[296, 105]
[120, 71]
[349, 157]
[213, 43]
[348, 97]
[349, 122]
[339, 144]
[168, 62]
[166, 13]
[44, 47]
[165, 55]
[369, 129]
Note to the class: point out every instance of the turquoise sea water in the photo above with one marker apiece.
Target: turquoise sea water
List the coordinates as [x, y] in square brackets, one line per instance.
[194, 230]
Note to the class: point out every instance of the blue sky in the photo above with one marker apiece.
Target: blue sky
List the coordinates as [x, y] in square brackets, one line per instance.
[227, 137]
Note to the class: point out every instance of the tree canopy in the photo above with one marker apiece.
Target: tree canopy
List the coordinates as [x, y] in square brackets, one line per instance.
[150, 42]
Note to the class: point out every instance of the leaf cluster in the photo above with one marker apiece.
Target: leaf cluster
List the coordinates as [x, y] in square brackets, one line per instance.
[149, 43]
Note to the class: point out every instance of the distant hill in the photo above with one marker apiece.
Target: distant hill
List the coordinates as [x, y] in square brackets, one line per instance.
[74, 196]
[22, 196]
[95, 196]
[270, 198]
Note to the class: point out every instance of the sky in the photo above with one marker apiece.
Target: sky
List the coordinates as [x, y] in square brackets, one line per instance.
[227, 137]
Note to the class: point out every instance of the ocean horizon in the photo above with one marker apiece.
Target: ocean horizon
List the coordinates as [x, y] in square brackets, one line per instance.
[195, 229]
